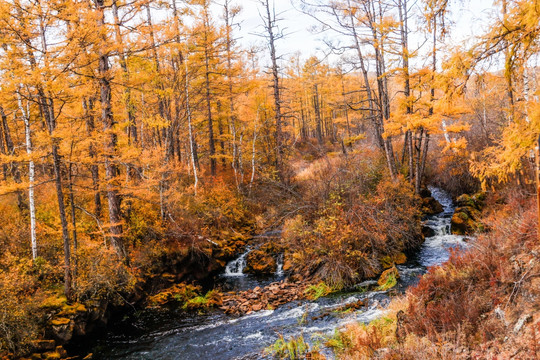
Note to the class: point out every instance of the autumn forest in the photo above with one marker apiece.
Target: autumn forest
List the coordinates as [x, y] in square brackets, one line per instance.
[171, 190]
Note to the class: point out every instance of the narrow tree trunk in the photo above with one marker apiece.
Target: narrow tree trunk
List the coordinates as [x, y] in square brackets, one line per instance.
[317, 110]
[47, 111]
[10, 150]
[109, 124]
[253, 153]
[232, 115]
[419, 147]
[88, 105]
[73, 221]
[375, 116]
[3, 149]
[275, 77]
[128, 103]
[31, 175]
[538, 184]
[190, 130]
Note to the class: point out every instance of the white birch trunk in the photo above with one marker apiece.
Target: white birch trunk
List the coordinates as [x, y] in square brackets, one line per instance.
[190, 131]
[31, 176]
[253, 153]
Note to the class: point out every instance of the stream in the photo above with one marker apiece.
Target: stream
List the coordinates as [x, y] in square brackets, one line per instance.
[176, 335]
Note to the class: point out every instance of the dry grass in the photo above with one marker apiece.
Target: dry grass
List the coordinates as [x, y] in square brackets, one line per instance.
[470, 306]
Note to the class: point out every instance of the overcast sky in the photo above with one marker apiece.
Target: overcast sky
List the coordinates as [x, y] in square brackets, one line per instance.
[469, 18]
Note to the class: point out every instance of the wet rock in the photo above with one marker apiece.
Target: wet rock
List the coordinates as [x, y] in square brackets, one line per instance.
[389, 261]
[388, 278]
[268, 297]
[427, 231]
[464, 201]
[287, 264]
[352, 306]
[43, 345]
[430, 206]
[466, 218]
[365, 285]
[258, 262]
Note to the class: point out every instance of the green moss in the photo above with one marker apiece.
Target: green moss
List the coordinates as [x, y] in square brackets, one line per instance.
[293, 349]
[70, 310]
[388, 279]
[389, 261]
[211, 299]
[313, 292]
[54, 302]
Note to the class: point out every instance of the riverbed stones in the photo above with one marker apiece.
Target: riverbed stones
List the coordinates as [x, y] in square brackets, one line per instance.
[262, 298]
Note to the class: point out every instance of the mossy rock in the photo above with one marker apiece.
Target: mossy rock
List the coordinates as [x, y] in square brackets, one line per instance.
[70, 310]
[60, 321]
[52, 356]
[479, 198]
[212, 298]
[389, 261]
[463, 224]
[388, 278]
[400, 259]
[465, 200]
[259, 262]
[178, 293]
[54, 302]
[430, 206]
[287, 264]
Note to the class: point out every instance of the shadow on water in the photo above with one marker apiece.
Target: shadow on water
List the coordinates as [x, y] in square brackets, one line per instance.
[176, 335]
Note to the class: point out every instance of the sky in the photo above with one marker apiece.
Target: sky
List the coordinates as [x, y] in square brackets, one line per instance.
[469, 18]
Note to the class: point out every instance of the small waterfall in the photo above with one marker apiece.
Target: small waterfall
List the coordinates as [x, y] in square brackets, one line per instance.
[279, 268]
[436, 248]
[236, 267]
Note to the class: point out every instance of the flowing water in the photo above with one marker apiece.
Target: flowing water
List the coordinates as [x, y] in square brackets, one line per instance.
[176, 335]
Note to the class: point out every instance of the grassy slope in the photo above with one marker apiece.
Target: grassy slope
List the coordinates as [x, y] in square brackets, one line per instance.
[484, 304]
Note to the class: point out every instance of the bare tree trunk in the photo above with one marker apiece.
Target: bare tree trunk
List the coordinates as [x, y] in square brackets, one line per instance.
[190, 130]
[404, 31]
[317, 110]
[270, 24]
[538, 184]
[31, 175]
[88, 105]
[47, 111]
[132, 124]
[10, 150]
[3, 149]
[162, 103]
[111, 169]
[375, 116]
[73, 220]
[229, 18]
[253, 153]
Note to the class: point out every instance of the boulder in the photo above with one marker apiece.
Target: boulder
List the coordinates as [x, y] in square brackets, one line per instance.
[62, 329]
[43, 345]
[427, 231]
[389, 261]
[388, 278]
[430, 206]
[466, 218]
[259, 262]
[464, 201]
